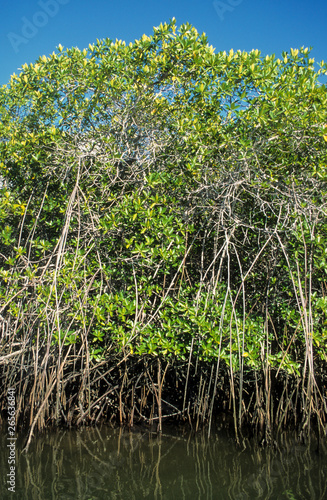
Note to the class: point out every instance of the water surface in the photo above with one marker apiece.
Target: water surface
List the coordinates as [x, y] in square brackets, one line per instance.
[107, 463]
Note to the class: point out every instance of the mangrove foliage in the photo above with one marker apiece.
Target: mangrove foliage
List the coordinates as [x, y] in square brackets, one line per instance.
[163, 235]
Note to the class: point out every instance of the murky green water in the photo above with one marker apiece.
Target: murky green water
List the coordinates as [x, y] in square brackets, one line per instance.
[108, 463]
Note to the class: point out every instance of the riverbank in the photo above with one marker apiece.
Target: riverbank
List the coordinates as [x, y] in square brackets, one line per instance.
[128, 390]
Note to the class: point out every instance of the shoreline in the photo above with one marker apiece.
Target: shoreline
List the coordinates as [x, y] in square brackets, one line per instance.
[132, 391]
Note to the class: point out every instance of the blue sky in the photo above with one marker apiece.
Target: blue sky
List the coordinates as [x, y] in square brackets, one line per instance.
[32, 28]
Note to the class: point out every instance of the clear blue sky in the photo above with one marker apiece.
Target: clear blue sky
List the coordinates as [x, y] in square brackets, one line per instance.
[32, 28]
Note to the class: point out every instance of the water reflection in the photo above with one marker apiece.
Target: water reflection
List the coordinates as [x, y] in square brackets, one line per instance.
[106, 463]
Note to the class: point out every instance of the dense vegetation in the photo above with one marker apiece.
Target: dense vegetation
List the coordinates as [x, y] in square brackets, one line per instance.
[163, 214]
